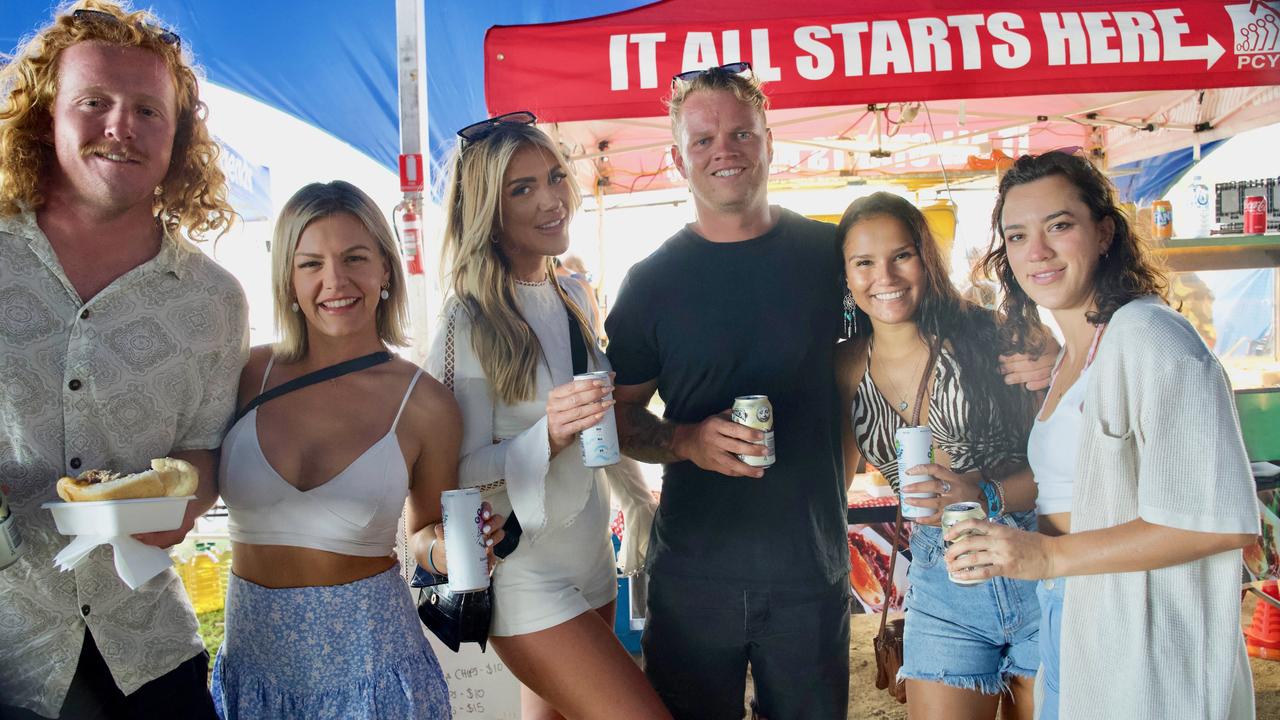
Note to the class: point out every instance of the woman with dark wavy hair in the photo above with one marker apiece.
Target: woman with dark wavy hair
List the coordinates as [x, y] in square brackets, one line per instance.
[965, 646]
[1145, 493]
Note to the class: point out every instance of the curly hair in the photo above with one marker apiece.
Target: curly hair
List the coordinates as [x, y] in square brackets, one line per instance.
[1129, 270]
[998, 418]
[193, 194]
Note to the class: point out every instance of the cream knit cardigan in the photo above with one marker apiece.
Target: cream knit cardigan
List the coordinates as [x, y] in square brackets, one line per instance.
[1160, 440]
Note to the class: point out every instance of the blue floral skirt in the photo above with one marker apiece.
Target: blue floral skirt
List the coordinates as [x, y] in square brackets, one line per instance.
[349, 652]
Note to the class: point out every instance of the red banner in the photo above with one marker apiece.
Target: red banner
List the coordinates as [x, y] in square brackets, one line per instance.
[815, 53]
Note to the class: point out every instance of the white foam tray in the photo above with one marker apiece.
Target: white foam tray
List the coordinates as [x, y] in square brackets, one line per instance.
[119, 517]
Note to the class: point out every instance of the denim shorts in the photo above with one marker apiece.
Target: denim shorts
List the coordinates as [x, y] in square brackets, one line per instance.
[967, 636]
[1051, 592]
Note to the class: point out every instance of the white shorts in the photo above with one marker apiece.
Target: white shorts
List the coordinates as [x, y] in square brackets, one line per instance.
[568, 571]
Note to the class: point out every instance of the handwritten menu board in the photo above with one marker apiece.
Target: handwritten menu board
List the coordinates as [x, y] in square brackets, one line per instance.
[480, 685]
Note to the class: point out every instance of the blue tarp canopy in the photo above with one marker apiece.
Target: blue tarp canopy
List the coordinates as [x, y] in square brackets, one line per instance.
[331, 63]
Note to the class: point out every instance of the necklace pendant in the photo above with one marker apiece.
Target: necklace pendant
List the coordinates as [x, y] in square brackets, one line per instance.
[902, 406]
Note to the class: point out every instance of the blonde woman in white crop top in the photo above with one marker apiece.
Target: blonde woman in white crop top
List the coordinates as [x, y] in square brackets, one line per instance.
[1162, 498]
[319, 622]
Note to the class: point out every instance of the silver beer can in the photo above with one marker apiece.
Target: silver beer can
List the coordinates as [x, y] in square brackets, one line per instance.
[914, 446]
[464, 540]
[957, 513]
[599, 443]
[755, 411]
[11, 546]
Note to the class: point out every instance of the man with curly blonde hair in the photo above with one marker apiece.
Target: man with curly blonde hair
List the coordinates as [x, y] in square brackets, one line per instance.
[120, 342]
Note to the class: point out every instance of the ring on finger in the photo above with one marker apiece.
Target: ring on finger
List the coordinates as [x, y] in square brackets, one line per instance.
[946, 487]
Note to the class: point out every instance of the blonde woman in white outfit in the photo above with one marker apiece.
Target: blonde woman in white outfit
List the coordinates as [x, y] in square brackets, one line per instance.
[504, 347]
[1145, 494]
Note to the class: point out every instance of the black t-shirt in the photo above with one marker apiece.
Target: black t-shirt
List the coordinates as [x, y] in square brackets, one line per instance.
[712, 321]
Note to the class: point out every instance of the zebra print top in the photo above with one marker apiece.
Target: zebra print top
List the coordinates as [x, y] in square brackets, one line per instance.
[875, 422]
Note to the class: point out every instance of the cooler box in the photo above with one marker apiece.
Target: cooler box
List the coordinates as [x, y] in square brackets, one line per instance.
[628, 614]
[626, 625]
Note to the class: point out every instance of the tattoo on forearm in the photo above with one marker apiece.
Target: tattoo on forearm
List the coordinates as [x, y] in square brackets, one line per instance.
[644, 436]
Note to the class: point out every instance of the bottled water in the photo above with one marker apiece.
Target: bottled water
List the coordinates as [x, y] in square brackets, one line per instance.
[1202, 207]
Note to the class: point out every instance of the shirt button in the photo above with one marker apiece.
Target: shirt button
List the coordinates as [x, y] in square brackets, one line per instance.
[84, 314]
[84, 610]
[74, 384]
[75, 463]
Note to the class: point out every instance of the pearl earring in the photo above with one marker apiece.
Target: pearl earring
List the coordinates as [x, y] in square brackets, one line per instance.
[385, 293]
[295, 307]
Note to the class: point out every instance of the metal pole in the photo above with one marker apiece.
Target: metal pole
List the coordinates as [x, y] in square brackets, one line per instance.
[411, 71]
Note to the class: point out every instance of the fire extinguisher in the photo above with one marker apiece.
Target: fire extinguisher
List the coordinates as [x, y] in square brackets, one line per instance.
[410, 228]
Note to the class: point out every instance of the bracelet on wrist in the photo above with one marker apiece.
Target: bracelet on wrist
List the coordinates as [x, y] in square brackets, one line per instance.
[431, 561]
[993, 495]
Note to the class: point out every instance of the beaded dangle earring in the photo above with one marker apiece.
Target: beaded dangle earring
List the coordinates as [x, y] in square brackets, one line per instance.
[850, 315]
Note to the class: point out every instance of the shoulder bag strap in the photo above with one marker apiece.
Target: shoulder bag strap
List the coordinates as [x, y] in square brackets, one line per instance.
[577, 344]
[897, 523]
[311, 378]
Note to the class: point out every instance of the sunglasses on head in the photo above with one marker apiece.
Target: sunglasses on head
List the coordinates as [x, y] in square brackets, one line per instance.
[475, 132]
[168, 37]
[741, 69]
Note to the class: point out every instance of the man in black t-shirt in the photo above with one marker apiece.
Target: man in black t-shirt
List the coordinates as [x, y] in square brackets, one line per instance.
[746, 565]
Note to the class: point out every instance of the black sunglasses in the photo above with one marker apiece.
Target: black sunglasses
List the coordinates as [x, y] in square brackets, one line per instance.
[168, 37]
[475, 132]
[741, 69]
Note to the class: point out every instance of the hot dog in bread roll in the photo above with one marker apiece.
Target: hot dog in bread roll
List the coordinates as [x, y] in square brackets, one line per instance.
[168, 477]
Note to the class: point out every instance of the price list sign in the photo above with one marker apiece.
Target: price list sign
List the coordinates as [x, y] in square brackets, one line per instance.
[480, 685]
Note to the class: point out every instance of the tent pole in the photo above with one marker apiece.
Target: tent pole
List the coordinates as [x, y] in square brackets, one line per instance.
[411, 72]
[602, 264]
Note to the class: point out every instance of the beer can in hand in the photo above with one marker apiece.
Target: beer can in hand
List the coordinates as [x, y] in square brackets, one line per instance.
[755, 411]
[599, 443]
[1255, 215]
[957, 513]
[10, 541]
[464, 540]
[914, 447]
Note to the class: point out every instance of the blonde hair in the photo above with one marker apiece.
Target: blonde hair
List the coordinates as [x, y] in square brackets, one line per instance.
[316, 202]
[747, 89]
[474, 268]
[193, 194]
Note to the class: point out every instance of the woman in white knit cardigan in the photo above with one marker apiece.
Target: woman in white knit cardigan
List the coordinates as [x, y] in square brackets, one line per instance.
[1145, 493]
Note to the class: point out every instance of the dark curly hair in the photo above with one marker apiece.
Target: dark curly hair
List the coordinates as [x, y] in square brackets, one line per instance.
[999, 416]
[1129, 270]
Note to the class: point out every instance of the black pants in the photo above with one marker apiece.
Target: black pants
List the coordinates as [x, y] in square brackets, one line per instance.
[180, 693]
[701, 634]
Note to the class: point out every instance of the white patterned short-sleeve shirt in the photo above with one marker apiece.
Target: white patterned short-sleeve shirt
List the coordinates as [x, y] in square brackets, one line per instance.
[147, 367]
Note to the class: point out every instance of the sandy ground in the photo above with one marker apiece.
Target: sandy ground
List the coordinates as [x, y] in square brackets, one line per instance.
[866, 702]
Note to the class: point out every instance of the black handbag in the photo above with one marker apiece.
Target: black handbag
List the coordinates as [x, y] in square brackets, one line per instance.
[456, 618]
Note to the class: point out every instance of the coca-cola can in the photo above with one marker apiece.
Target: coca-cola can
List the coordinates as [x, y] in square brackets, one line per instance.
[1255, 214]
